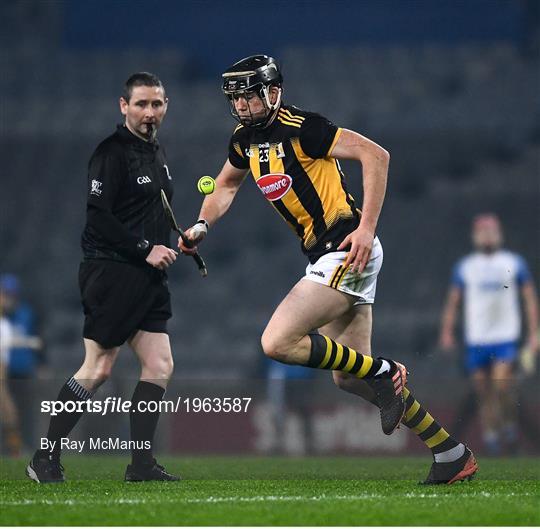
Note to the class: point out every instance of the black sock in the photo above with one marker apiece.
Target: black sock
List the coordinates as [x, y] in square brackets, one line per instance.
[65, 421]
[143, 424]
[328, 354]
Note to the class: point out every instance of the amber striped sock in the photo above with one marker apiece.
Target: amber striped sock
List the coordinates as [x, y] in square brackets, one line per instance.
[328, 354]
[444, 447]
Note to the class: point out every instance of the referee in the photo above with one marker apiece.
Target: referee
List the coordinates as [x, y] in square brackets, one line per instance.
[123, 279]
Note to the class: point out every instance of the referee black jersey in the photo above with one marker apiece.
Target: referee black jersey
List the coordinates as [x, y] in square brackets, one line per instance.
[125, 176]
[291, 164]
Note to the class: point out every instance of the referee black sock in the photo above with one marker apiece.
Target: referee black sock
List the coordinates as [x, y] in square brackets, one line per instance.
[65, 421]
[328, 354]
[144, 423]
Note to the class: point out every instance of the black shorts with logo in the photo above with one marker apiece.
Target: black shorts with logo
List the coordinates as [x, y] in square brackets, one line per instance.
[121, 298]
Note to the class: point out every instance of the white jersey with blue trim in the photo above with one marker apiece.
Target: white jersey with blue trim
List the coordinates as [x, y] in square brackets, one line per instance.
[491, 285]
[6, 337]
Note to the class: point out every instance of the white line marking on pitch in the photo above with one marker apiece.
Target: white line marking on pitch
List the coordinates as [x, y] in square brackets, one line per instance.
[254, 499]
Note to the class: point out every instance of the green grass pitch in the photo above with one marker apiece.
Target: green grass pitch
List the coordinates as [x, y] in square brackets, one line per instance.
[273, 491]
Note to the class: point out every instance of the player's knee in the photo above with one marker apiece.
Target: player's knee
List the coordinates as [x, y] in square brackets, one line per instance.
[502, 385]
[267, 344]
[273, 348]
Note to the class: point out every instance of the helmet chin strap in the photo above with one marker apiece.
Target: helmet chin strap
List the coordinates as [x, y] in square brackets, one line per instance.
[272, 108]
[266, 94]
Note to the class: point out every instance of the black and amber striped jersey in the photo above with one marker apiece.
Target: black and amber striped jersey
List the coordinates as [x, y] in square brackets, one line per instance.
[291, 165]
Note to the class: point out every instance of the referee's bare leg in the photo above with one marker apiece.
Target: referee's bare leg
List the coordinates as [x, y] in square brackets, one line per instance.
[97, 365]
[153, 349]
[98, 362]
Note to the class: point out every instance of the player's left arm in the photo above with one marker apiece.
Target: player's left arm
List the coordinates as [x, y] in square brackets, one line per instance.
[530, 300]
[8, 410]
[375, 161]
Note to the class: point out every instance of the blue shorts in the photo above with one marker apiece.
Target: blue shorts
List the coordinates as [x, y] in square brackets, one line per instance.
[479, 356]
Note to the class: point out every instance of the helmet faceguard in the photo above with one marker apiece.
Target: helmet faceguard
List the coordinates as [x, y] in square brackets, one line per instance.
[251, 77]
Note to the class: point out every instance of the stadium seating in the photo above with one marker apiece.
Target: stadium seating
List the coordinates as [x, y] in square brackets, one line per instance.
[460, 122]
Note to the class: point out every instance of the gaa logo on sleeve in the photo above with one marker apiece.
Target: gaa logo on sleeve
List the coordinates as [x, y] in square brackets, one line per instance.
[95, 188]
[274, 186]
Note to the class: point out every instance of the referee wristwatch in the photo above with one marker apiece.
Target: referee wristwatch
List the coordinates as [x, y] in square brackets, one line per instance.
[143, 248]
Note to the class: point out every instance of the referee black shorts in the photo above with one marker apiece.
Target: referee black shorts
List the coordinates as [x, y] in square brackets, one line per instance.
[121, 298]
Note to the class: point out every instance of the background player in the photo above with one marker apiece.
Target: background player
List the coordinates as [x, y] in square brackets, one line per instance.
[9, 416]
[122, 278]
[13, 338]
[25, 362]
[292, 155]
[490, 281]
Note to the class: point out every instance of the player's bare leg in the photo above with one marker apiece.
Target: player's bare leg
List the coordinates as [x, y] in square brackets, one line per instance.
[504, 391]
[154, 353]
[490, 409]
[354, 329]
[290, 338]
[9, 417]
[306, 307]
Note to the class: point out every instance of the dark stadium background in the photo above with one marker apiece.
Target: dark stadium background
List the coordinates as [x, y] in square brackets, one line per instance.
[450, 88]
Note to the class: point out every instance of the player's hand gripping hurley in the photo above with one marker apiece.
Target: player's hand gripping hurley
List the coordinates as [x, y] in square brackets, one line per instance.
[177, 229]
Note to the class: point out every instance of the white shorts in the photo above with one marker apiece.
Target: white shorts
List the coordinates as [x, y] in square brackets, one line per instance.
[328, 270]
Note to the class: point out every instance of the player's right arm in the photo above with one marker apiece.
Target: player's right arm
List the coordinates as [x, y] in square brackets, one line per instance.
[214, 206]
[228, 183]
[8, 410]
[530, 305]
[447, 340]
